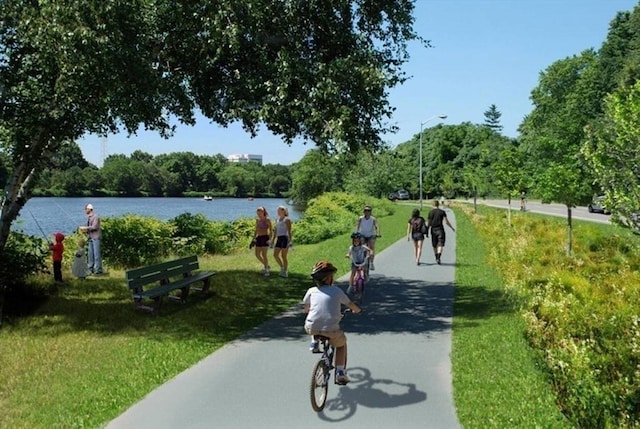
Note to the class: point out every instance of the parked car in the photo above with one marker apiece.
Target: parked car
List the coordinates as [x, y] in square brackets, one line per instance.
[400, 194]
[403, 194]
[597, 205]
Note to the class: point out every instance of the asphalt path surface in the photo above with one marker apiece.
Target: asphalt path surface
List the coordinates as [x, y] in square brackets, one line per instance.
[399, 362]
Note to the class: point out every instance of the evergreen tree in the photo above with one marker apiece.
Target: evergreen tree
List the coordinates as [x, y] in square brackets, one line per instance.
[492, 118]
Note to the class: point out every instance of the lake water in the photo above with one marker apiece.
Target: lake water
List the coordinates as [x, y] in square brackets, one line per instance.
[66, 214]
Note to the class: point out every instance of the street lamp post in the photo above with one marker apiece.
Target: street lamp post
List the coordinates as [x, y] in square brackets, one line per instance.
[420, 174]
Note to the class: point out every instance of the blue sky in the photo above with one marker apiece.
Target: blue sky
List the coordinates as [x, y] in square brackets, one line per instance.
[484, 52]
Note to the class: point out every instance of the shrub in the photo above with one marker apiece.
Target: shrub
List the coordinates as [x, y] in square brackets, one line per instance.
[197, 234]
[133, 240]
[335, 213]
[22, 256]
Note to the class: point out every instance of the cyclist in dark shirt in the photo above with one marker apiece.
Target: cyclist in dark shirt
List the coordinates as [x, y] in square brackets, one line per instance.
[435, 221]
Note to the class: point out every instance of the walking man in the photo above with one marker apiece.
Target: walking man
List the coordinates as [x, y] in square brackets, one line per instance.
[435, 222]
[94, 232]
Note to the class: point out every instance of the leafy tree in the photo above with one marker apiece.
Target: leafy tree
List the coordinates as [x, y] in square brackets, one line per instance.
[123, 174]
[236, 180]
[207, 172]
[303, 69]
[509, 177]
[92, 179]
[154, 180]
[313, 175]
[565, 101]
[492, 118]
[185, 166]
[613, 153]
[278, 185]
[70, 181]
[141, 156]
[375, 175]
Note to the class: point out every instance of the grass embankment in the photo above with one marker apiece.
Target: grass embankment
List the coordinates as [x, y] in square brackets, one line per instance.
[497, 378]
[86, 354]
[579, 311]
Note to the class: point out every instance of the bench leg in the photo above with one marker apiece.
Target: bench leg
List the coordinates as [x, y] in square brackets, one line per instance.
[158, 304]
[205, 285]
[184, 293]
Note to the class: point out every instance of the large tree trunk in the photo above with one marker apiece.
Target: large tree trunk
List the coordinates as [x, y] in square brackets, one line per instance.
[16, 193]
[15, 196]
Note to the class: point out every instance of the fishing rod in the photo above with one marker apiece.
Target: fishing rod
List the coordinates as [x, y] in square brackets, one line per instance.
[39, 227]
[65, 212]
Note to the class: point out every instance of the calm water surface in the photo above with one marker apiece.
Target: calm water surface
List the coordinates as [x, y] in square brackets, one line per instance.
[48, 215]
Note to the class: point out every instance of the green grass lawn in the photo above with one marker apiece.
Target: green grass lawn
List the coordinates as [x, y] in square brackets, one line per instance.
[85, 356]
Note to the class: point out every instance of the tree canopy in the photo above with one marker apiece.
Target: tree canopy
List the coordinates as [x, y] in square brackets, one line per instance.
[318, 70]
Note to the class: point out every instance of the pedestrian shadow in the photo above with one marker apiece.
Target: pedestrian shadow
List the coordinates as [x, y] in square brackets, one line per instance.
[365, 391]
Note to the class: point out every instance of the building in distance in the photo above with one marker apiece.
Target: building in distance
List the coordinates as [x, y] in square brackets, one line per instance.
[244, 158]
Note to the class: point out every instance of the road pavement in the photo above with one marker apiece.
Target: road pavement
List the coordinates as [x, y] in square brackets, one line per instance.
[551, 209]
[399, 363]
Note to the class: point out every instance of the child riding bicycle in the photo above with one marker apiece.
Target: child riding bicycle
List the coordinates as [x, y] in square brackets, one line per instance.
[323, 304]
[360, 254]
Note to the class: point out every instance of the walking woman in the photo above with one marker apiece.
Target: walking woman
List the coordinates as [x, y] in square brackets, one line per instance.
[282, 239]
[416, 228]
[261, 238]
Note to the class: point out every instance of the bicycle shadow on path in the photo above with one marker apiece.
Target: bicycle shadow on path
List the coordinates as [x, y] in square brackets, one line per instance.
[363, 390]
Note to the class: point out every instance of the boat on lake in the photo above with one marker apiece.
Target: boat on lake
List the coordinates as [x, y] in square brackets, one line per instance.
[208, 198]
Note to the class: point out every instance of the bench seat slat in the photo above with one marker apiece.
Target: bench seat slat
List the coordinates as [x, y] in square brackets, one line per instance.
[165, 277]
[179, 284]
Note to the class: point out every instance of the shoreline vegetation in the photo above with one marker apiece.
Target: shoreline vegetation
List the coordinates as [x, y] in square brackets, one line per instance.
[502, 378]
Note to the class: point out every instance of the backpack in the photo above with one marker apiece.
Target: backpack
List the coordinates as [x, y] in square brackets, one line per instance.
[417, 224]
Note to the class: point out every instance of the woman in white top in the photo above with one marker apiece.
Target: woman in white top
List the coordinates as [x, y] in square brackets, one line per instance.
[368, 226]
[282, 239]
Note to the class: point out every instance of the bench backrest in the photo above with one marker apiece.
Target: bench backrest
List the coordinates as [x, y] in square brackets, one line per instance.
[162, 272]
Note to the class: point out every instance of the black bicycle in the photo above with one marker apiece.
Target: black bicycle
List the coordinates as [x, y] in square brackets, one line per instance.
[321, 375]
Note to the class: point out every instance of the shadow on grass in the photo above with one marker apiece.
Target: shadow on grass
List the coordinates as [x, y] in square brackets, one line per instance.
[474, 302]
[237, 302]
[245, 303]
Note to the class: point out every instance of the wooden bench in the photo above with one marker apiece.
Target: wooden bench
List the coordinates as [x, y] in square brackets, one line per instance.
[155, 282]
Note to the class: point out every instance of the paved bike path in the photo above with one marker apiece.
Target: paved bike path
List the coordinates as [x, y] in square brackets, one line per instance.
[399, 363]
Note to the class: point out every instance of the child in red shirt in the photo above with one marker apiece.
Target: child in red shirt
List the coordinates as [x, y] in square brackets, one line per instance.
[57, 249]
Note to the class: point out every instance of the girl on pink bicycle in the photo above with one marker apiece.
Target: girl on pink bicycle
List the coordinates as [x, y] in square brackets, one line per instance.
[359, 255]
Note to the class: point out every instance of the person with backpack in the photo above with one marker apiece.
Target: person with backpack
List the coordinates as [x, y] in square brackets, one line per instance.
[416, 230]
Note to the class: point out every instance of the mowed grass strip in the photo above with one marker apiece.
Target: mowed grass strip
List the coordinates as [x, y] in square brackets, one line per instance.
[498, 381]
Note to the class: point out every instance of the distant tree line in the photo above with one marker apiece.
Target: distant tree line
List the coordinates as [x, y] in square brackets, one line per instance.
[174, 174]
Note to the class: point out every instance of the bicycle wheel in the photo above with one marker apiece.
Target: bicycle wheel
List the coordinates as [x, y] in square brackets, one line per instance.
[359, 289]
[319, 385]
